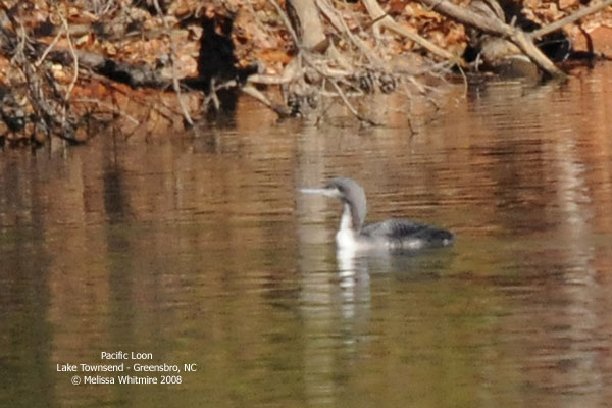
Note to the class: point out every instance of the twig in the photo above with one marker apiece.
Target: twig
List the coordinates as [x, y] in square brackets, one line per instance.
[20, 48]
[175, 83]
[251, 91]
[75, 59]
[45, 110]
[263, 79]
[285, 18]
[106, 105]
[465, 82]
[340, 24]
[350, 106]
[377, 13]
[577, 15]
[42, 58]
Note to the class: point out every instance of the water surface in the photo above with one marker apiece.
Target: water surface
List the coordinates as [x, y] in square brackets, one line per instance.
[200, 250]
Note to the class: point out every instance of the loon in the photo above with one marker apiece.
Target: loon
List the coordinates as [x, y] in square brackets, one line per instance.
[391, 234]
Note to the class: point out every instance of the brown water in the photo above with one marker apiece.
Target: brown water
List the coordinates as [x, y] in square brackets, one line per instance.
[200, 251]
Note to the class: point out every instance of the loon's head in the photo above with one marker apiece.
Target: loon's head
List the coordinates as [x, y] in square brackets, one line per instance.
[391, 234]
[350, 193]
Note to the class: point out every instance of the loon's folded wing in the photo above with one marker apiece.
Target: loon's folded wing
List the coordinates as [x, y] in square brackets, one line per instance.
[406, 233]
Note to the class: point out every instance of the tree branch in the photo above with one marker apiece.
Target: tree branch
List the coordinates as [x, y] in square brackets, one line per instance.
[350, 106]
[380, 17]
[175, 83]
[497, 27]
[577, 15]
[339, 23]
[281, 111]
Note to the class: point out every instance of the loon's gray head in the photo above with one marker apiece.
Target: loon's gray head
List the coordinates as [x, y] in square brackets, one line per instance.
[350, 193]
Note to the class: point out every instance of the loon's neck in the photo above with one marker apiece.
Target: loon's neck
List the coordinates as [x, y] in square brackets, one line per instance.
[349, 230]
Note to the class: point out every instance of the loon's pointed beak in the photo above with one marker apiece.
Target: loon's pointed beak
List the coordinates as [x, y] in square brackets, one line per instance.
[315, 191]
[327, 192]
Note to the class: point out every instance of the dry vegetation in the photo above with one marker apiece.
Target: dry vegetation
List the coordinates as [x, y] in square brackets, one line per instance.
[72, 69]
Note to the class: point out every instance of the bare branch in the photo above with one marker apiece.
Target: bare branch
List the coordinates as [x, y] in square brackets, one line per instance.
[499, 28]
[175, 83]
[577, 15]
[382, 18]
[280, 110]
[75, 59]
[350, 106]
[262, 79]
[340, 24]
[53, 43]
[285, 18]
[111, 108]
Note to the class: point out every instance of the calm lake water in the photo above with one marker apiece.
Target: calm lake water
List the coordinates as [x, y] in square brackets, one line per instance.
[201, 251]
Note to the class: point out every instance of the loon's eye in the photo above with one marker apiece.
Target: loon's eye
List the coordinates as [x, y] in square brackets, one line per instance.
[334, 186]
